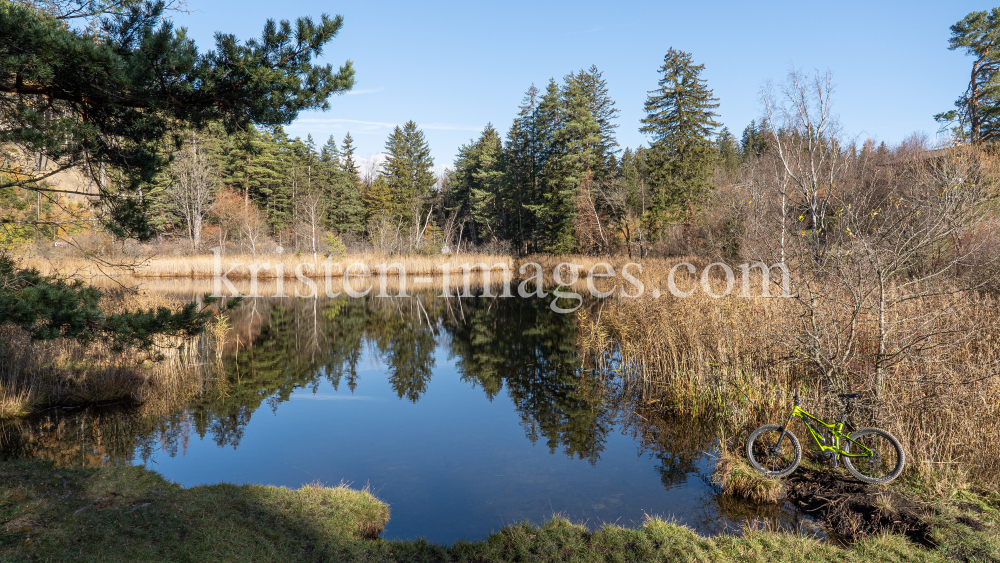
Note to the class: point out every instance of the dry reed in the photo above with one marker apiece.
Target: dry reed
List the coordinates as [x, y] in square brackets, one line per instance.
[65, 372]
[204, 266]
[729, 360]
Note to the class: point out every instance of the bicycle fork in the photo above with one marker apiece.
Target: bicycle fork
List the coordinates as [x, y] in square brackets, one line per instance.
[784, 429]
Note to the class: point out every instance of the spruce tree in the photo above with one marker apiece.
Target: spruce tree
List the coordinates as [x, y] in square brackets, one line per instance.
[595, 89]
[521, 163]
[407, 169]
[680, 119]
[251, 165]
[753, 142]
[342, 187]
[279, 199]
[347, 163]
[477, 185]
[546, 122]
[571, 155]
[729, 153]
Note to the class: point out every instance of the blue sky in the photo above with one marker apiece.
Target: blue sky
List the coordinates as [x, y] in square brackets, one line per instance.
[455, 66]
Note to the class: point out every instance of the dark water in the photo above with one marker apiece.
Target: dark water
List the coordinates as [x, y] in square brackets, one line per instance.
[462, 414]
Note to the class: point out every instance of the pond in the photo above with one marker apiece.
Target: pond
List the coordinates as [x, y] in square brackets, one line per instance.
[463, 414]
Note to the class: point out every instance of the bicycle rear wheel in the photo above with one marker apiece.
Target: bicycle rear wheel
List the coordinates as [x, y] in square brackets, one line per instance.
[771, 457]
[885, 463]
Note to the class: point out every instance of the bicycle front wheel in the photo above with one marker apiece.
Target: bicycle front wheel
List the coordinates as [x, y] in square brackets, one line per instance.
[885, 462]
[771, 456]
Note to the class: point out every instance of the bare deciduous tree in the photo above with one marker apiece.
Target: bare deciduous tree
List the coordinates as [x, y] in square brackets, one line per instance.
[193, 181]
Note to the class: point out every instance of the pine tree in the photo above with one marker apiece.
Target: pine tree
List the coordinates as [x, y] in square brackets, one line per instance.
[977, 113]
[680, 118]
[107, 97]
[407, 169]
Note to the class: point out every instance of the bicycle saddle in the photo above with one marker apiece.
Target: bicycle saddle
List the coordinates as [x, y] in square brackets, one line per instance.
[848, 395]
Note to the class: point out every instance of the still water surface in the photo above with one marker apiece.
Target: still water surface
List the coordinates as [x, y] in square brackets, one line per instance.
[462, 414]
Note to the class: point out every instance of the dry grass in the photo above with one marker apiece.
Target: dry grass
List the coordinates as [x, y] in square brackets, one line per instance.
[737, 479]
[65, 372]
[204, 266]
[729, 360]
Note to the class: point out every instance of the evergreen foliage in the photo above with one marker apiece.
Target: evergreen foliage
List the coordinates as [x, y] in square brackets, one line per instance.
[478, 186]
[522, 170]
[49, 308]
[407, 169]
[729, 150]
[753, 142]
[976, 117]
[342, 187]
[680, 119]
[595, 89]
[108, 98]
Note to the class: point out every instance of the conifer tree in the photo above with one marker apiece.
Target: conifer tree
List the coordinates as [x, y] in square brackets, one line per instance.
[976, 116]
[341, 185]
[381, 200]
[407, 169]
[572, 153]
[595, 89]
[521, 163]
[279, 198]
[680, 119]
[251, 165]
[547, 119]
[477, 185]
[753, 143]
[105, 97]
[729, 154]
[347, 163]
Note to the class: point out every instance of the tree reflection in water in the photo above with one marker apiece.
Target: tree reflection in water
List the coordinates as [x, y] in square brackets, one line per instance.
[514, 347]
[281, 345]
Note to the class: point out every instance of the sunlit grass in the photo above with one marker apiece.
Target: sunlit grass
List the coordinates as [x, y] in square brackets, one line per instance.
[131, 514]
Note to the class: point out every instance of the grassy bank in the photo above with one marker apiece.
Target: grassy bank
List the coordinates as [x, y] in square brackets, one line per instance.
[48, 513]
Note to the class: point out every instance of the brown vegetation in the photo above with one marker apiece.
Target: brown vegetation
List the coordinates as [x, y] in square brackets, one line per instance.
[737, 479]
[204, 266]
[893, 296]
[66, 372]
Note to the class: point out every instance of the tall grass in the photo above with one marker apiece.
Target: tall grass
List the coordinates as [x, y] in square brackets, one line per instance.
[64, 372]
[204, 265]
[732, 361]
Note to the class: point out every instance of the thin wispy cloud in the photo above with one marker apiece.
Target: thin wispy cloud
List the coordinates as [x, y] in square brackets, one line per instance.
[381, 125]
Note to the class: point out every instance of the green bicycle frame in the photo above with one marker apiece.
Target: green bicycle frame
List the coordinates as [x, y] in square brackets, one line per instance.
[836, 433]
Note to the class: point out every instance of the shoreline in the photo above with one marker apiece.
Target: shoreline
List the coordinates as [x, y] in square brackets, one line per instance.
[57, 513]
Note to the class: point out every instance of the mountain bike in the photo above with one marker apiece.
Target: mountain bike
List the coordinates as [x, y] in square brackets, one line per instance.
[870, 454]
